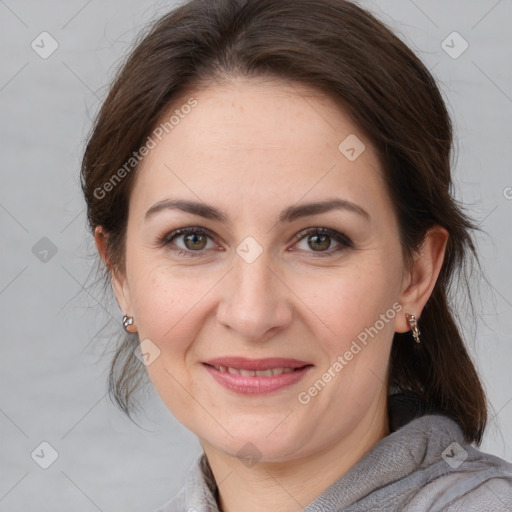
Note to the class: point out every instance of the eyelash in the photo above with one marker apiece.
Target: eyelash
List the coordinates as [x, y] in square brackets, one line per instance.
[344, 242]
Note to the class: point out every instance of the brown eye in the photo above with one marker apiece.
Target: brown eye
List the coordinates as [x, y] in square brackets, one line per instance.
[195, 241]
[189, 241]
[323, 241]
[319, 242]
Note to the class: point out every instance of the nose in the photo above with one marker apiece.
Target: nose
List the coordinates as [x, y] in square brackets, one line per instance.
[255, 301]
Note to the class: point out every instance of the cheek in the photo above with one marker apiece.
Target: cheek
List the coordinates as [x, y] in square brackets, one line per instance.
[353, 298]
[167, 308]
[163, 297]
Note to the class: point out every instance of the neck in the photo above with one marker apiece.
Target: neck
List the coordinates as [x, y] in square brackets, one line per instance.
[291, 485]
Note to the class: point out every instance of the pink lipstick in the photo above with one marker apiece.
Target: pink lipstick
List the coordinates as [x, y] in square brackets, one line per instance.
[256, 376]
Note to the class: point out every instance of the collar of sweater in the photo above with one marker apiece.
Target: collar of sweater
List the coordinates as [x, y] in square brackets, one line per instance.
[423, 447]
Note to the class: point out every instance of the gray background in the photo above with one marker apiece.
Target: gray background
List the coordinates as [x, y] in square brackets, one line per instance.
[57, 328]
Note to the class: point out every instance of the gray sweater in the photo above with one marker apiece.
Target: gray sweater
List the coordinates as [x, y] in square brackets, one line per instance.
[424, 465]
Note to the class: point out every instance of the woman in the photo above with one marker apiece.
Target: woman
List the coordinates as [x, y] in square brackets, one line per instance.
[268, 184]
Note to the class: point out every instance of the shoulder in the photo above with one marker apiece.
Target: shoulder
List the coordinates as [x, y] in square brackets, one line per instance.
[465, 479]
[493, 494]
[427, 465]
[482, 487]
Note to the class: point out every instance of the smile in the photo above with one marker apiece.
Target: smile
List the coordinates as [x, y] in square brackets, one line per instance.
[254, 373]
[256, 376]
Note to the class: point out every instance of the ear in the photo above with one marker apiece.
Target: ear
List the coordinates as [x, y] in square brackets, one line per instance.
[420, 279]
[117, 277]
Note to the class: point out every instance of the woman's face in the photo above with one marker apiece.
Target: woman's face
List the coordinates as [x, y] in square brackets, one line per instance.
[291, 266]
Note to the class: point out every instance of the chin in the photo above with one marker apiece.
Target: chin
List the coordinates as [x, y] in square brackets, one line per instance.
[255, 445]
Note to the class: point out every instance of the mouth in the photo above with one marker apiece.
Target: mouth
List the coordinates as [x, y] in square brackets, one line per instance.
[256, 376]
[254, 373]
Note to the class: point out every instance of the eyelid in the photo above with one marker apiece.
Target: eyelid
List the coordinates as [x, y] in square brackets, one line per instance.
[168, 238]
[339, 237]
[344, 243]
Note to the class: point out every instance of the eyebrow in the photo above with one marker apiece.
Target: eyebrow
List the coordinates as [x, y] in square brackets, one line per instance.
[288, 215]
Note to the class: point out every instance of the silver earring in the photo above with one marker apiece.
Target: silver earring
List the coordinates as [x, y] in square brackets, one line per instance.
[414, 327]
[127, 321]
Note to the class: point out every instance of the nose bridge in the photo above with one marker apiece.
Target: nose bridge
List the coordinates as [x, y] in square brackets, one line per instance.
[256, 300]
[254, 278]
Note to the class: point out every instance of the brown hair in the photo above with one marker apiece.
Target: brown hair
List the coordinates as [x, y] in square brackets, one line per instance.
[345, 52]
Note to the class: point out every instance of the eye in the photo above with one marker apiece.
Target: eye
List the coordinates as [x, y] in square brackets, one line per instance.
[323, 240]
[188, 241]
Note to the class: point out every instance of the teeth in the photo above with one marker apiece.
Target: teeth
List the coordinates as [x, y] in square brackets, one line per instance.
[278, 371]
[263, 373]
[254, 373]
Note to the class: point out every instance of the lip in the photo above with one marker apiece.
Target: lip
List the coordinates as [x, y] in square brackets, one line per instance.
[243, 363]
[257, 385]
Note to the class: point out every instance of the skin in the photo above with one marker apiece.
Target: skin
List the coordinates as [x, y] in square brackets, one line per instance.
[252, 149]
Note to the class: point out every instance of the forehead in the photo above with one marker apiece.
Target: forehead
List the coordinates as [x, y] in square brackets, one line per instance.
[247, 140]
